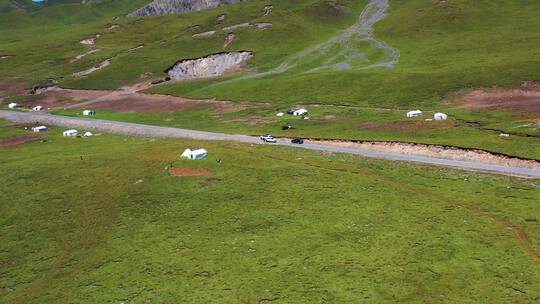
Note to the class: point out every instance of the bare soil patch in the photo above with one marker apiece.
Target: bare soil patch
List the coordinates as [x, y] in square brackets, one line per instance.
[146, 103]
[63, 98]
[8, 88]
[14, 141]
[129, 99]
[189, 172]
[437, 151]
[523, 100]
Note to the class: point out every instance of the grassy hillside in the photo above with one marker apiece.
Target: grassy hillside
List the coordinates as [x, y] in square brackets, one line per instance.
[116, 227]
[445, 46]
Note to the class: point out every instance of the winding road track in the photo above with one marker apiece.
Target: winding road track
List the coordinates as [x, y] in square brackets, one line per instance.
[132, 129]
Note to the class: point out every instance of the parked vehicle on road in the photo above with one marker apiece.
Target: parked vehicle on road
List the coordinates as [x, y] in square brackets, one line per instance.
[268, 138]
[298, 141]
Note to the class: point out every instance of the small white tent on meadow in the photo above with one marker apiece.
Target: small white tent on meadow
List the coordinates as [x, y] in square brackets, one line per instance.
[195, 154]
[415, 113]
[300, 112]
[39, 129]
[71, 133]
[440, 116]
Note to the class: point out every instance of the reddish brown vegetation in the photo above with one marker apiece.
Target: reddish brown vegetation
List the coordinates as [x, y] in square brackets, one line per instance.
[524, 100]
[189, 172]
[14, 141]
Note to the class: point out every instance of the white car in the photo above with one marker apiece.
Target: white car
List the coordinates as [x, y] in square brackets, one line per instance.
[268, 138]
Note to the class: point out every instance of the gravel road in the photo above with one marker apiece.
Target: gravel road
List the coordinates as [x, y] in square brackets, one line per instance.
[132, 129]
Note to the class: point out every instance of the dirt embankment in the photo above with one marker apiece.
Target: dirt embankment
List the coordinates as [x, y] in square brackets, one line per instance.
[437, 151]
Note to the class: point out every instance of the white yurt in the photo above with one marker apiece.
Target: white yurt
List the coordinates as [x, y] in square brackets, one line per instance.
[440, 116]
[195, 154]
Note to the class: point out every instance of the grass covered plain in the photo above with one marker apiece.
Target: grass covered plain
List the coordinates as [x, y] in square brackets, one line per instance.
[270, 225]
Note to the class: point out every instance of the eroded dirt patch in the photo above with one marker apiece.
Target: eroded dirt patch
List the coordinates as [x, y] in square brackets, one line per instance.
[523, 100]
[8, 88]
[64, 98]
[129, 99]
[145, 103]
[437, 151]
[189, 172]
[14, 141]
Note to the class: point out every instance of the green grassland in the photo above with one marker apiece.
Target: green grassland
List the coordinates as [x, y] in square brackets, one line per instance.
[445, 46]
[270, 225]
[355, 124]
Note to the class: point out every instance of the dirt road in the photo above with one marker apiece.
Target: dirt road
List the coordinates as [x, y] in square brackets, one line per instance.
[132, 129]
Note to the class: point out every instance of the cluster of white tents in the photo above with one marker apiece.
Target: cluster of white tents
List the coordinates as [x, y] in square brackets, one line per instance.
[14, 105]
[75, 133]
[295, 112]
[418, 113]
[68, 133]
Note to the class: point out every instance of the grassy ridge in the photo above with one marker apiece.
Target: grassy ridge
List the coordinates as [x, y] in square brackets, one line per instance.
[116, 227]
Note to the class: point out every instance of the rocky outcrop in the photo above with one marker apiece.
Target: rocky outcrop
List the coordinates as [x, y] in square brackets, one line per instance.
[209, 66]
[203, 35]
[90, 40]
[268, 9]
[91, 70]
[229, 39]
[81, 56]
[165, 7]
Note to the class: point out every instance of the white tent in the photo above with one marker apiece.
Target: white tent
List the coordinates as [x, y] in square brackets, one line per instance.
[300, 112]
[88, 134]
[71, 133]
[37, 108]
[280, 114]
[39, 129]
[14, 105]
[440, 116]
[415, 113]
[89, 112]
[195, 154]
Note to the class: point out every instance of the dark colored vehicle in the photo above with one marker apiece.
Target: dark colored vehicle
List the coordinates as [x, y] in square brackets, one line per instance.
[297, 141]
[291, 111]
